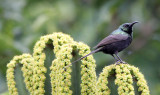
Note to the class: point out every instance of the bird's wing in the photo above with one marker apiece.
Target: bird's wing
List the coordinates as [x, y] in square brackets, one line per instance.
[111, 39]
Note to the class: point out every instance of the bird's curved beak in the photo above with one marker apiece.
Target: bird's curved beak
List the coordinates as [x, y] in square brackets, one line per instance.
[133, 23]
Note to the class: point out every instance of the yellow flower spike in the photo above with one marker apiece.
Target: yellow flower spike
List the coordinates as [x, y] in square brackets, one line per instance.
[39, 56]
[34, 71]
[141, 83]
[63, 56]
[90, 65]
[123, 84]
[103, 82]
[10, 72]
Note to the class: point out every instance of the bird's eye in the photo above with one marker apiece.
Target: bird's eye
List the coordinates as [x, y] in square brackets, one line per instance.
[126, 25]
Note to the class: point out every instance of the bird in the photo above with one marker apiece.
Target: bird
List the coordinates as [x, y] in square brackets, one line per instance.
[114, 43]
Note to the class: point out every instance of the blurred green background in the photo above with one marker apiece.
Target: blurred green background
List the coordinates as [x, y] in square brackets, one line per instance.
[23, 22]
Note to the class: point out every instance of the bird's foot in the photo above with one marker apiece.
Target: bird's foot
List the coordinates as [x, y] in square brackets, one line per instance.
[123, 62]
[120, 62]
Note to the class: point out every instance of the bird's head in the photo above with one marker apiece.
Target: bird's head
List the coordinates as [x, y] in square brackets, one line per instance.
[127, 27]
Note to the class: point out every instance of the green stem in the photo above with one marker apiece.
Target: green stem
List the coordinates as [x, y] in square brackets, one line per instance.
[49, 58]
[20, 81]
[76, 77]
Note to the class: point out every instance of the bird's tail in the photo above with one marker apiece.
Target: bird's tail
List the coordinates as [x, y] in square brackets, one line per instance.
[94, 51]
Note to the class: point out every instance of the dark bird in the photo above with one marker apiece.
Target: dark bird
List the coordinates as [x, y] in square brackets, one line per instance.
[118, 40]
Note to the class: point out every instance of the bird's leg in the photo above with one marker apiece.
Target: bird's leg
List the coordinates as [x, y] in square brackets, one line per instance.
[115, 58]
[119, 57]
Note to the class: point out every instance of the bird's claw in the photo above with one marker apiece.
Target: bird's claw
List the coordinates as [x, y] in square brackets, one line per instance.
[120, 62]
[123, 62]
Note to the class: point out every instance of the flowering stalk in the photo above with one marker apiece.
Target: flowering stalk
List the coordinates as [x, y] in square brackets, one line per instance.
[141, 82]
[26, 60]
[102, 83]
[88, 74]
[58, 40]
[63, 45]
[124, 80]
